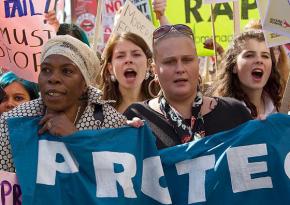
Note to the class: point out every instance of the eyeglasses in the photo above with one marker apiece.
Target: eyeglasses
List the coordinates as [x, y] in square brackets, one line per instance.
[163, 30]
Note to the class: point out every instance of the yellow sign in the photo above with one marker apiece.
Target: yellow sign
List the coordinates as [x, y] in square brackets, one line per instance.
[198, 16]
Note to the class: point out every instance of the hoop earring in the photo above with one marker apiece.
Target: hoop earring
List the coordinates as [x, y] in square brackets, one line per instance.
[147, 75]
[150, 88]
[113, 78]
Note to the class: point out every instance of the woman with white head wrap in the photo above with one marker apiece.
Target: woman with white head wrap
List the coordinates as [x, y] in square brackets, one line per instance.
[68, 102]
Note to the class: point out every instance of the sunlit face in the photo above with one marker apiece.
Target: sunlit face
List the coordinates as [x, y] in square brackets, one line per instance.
[254, 65]
[61, 83]
[129, 64]
[15, 95]
[177, 67]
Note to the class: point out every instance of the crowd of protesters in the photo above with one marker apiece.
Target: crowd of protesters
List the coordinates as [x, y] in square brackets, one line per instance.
[79, 91]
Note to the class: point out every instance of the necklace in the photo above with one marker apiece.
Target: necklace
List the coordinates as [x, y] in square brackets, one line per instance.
[77, 115]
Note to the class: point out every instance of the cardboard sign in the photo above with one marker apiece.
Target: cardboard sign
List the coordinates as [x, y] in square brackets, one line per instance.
[10, 192]
[23, 32]
[132, 20]
[271, 39]
[277, 18]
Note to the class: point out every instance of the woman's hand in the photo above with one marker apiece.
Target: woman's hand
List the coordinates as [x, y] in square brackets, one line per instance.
[135, 122]
[208, 44]
[56, 124]
[159, 7]
[52, 20]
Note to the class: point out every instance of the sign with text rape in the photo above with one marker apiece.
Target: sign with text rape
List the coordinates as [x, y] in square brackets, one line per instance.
[197, 15]
[23, 32]
[247, 165]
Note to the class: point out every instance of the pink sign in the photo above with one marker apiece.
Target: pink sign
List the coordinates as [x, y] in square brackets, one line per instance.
[10, 192]
[23, 32]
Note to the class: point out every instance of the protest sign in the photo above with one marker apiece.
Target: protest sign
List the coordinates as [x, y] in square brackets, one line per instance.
[109, 13]
[216, 1]
[247, 165]
[144, 7]
[23, 32]
[271, 39]
[277, 17]
[10, 192]
[132, 20]
[84, 14]
[197, 16]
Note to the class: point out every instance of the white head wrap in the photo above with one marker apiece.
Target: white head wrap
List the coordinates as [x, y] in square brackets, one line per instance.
[78, 52]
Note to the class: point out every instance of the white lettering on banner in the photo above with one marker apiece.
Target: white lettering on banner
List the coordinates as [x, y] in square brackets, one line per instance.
[47, 165]
[196, 169]
[287, 165]
[150, 182]
[241, 169]
[107, 179]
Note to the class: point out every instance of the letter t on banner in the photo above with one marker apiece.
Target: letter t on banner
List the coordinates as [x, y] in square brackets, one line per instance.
[196, 169]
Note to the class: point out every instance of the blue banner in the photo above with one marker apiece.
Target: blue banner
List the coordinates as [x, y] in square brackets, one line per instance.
[246, 165]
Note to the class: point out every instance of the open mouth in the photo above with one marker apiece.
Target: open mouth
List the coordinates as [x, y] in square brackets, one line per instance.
[53, 93]
[257, 73]
[130, 73]
[87, 25]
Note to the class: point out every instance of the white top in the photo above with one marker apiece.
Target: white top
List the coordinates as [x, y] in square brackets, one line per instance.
[269, 105]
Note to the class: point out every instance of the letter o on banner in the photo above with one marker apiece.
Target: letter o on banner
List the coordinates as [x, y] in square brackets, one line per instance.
[23, 60]
[287, 165]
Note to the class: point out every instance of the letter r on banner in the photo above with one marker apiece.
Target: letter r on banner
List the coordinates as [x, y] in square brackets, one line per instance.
[106, 178]
[47, 165]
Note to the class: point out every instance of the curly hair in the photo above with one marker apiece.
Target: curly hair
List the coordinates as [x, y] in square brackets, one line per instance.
[109, 88]
[228, 83]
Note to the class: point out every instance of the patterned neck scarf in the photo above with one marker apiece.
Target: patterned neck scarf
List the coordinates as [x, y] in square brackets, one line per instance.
[185, 132]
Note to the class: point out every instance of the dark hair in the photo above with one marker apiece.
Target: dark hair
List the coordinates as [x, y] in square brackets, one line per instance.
[2, 94]
[110, 89]
[228, 83]
[9, 78]
[73, 30]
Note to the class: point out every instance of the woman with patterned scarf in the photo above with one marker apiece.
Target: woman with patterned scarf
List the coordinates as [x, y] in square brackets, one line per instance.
[181, 114]
[68, 100]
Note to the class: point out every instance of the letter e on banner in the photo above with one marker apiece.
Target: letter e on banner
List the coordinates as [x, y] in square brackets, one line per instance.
[241, 169]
